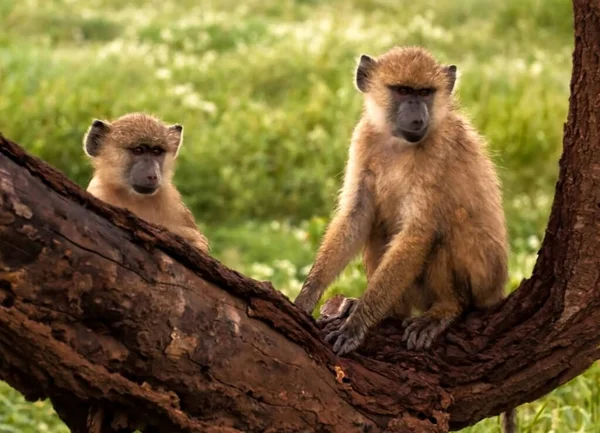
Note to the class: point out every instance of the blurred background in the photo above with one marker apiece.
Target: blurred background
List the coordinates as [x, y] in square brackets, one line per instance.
[264, 89]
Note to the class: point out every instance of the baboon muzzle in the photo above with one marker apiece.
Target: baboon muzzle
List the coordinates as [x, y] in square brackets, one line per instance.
[412, 120]
[145, 176]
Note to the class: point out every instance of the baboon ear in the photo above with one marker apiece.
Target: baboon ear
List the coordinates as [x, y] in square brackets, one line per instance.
[363, 70]
[176, 131]
[94, 137]
[451, 74]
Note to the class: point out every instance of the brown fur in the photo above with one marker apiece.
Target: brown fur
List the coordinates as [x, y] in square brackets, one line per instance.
[110, 183]
[429, 217]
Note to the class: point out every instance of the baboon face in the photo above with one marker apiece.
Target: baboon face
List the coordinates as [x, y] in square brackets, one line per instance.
[146, 167]
[409, 113]
[407, 92]
[136, 151]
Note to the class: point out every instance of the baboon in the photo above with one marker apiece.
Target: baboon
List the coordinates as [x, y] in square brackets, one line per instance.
[422, 199]
[133, 159]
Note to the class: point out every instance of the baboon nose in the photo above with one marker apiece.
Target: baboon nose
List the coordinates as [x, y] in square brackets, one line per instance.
[153, 177]
[417, 124]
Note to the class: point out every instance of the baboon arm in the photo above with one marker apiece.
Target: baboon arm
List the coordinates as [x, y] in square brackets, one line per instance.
[343, 240]
[189, 230]
[193, 236]
[344, 237]
[398, 270]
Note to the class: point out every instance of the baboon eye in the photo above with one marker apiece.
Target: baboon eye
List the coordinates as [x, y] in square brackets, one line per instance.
[425, 92]
[137, 150]
[157, 151]
[401, 90]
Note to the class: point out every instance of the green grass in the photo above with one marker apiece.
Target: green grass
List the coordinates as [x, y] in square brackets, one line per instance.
[19, 416]
[264, 90]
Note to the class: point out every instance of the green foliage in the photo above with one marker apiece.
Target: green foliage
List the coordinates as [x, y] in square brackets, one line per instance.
[18, 416]
[264, 89]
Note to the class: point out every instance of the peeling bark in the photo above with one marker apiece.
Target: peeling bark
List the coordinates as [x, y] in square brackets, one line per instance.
[125, 326]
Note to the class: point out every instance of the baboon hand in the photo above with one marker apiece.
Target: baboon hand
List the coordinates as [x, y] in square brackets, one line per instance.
[422, 331]
[347, 338]
[346, 308]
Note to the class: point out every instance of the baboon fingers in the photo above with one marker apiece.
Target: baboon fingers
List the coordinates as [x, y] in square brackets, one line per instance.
[346, 343]
[348, 346]
[347, 338]
[333, 335]
[422, 331]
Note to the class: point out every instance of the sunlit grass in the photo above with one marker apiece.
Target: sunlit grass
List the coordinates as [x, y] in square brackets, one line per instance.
[19, 416]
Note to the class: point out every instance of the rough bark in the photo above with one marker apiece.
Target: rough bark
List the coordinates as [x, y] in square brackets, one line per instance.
[124, 325]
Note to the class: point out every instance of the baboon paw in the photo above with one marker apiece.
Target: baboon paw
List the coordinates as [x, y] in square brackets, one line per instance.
[421, 331]
[345, 309]
[346, 339]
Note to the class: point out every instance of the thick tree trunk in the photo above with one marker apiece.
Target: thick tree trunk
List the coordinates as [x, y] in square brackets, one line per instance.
[125, 326]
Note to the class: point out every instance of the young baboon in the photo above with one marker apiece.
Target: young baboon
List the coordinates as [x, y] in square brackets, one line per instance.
[422, 198]
[134, 158]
